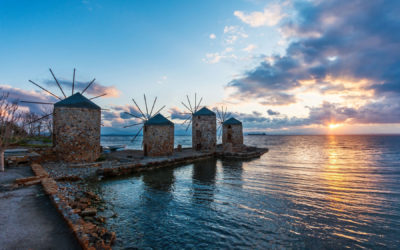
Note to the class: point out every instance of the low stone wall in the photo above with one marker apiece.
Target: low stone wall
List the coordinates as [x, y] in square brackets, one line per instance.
[88, 234]
[140, 167]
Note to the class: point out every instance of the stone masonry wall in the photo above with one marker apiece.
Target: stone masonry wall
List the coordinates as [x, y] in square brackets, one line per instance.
[235, 132]
[204, 133]
[158, 140]
[76, 134]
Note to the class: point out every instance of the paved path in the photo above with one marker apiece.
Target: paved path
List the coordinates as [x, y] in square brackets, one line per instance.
[28, 220]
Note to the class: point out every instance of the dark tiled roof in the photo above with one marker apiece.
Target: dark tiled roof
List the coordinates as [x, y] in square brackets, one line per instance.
[77, 100]
[159, 119]
[204, 111]
[232, 121]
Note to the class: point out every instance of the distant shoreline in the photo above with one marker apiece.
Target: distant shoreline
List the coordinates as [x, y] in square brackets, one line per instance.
[266, 134]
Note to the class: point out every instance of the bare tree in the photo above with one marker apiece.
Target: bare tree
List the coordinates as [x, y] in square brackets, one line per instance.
[48, 120]
[30, 123]
[8, 121]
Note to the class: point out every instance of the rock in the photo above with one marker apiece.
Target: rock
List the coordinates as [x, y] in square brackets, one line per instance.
[90, 211]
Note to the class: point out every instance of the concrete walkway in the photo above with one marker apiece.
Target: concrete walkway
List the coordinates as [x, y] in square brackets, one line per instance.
[28, 220]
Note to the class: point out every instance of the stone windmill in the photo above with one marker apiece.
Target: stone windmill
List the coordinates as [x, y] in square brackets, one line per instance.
[158, 131]
[203, 127]
[76, 124]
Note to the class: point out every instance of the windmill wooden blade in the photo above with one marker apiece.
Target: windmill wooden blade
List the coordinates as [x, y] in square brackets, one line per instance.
[98, 96]
[138, 108]
[188, 125]
[136, 134]
[49, 103]
[45, 89]
[186, 120]
[220, 131]
[39, 119]
[83, 91]
[199, 104]
[159, 110]
[151, 112]
[134, 115]
[219, 116]
[195, 101]
[62, 91]
[145, 104]
[73, 82]
[190, 105]
[187, 107]
[132, 125]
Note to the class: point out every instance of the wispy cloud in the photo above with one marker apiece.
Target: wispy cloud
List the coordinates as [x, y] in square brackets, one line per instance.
[271, 16]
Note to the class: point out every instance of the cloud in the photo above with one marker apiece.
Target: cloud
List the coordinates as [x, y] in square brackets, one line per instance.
[271, 112]
[250, 48]
[354, 53]
[213, 36]
[178, 114]
[115, 116]
[233, 33]
[162, 80]
[95, 89]
[216, 57]
[16, 94]
[271, 16]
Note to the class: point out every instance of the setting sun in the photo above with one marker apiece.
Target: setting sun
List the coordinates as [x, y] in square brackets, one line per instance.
[333, 125]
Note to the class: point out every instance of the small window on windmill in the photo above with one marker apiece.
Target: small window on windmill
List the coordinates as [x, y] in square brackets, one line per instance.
[198, 133]
[229, 126]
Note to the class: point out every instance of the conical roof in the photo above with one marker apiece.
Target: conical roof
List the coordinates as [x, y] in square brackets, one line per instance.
[232, 121]
[77, 100]
[204, 111]
[160, 120]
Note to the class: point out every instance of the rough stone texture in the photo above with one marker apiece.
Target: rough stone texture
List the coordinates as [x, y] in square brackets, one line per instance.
[232, 134]
[158, 140]
[204, 133]
[76, 134]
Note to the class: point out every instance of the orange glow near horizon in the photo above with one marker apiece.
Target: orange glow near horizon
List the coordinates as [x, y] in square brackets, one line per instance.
[334, 125]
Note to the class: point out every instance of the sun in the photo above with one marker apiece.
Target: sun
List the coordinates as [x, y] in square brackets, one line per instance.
[334, 125]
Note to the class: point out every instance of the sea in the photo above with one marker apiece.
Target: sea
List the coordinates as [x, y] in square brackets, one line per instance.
[307, 192]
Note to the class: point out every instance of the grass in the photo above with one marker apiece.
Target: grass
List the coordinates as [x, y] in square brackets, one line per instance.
[44, 141]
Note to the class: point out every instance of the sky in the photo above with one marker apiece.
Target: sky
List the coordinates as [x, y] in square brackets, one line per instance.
[281, 67]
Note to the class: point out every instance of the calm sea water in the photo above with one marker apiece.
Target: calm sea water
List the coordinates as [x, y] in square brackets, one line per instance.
[306, 192]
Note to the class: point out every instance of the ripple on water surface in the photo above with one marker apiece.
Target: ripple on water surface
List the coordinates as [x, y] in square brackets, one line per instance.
[307, 192]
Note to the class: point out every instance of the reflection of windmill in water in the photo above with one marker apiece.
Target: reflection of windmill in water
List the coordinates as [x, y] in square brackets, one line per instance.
[76, 123]
[203, 123]
[158, 131]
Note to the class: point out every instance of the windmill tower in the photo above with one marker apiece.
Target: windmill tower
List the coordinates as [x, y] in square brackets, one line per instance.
[158, 131]
[232, 132]
[203, 127]
[76, 124]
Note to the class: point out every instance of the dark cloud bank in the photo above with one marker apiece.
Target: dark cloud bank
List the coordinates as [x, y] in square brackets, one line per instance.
[355, 39]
